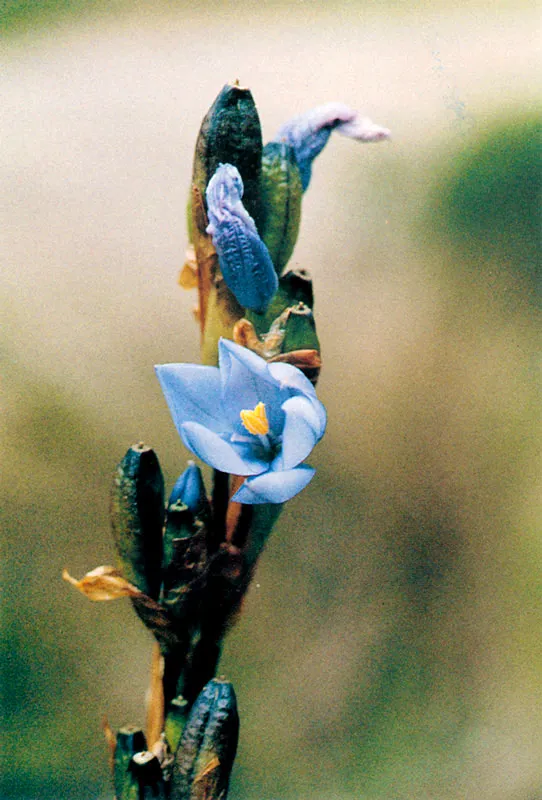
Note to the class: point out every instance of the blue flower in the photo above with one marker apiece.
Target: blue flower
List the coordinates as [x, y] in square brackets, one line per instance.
[244, 259]
[308, 133]
[247, 417]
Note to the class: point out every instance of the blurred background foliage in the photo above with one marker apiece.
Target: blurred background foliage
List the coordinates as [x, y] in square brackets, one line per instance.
[390, 644]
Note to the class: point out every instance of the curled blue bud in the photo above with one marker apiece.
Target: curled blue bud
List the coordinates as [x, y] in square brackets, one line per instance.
[244, 259]
[308, 133]
[190, 489]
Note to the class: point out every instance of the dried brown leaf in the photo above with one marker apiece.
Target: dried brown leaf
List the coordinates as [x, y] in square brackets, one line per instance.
[205, 253]
[111, 741]
[103, 583]
[213, 764]
[188, 277]
[155, 698]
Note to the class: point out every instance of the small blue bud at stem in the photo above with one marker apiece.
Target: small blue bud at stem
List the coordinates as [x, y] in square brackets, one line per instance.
[190, 489]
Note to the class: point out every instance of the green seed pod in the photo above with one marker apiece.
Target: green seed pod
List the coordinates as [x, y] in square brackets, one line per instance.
[300, 330]
[231, 134]
[281, 193]
[130, 740]
[137, 518]
[175, 722]
[185, 574]
[179, 525]
[204, 759]
[295, 287]
[146, 769]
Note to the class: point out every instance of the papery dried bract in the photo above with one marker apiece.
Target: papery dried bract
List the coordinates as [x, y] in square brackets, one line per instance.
[103, 583]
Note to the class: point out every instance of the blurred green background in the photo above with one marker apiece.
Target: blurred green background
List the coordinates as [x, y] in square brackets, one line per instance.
[390, 645]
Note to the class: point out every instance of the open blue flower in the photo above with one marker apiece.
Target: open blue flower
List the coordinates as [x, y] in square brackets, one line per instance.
[249, 418]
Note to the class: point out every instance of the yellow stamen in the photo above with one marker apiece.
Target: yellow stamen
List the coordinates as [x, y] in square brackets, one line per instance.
[255, 421]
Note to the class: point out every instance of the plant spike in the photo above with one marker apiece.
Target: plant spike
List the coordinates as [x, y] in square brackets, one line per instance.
[249, 415]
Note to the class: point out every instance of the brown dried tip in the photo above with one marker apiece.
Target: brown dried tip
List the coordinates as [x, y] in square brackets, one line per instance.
[308, 361]
[204, 251]
[267, 347]
[103, 583]
[155, 698]
[111, 741]
[188, 277]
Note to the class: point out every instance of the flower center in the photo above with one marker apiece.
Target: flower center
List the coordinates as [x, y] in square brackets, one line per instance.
[255, 420]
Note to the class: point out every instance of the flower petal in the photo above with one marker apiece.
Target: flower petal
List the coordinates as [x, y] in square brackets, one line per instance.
[218, 452]
[103, 583]
[290, 377]
[364, 130]
[302, 430]
[193, 394]
[243, 257]
[274, 487]
[308, 133]
[247, 381]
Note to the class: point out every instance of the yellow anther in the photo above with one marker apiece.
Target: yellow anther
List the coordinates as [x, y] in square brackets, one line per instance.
[255, 421]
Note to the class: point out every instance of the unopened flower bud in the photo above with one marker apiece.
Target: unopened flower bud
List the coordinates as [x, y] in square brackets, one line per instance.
[190, 489]
[204, 758]
[231, 133]
[244, 259]
[137, 518]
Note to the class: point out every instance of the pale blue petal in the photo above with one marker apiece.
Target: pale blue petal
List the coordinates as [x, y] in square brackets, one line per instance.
[193, 394]
[253, 363]
[309, 133]
[224, 191]
[247, 381]
[301, 433]
[274, 487]
[290, 377]
[244, 259]
[294, 380]
[218, 452]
